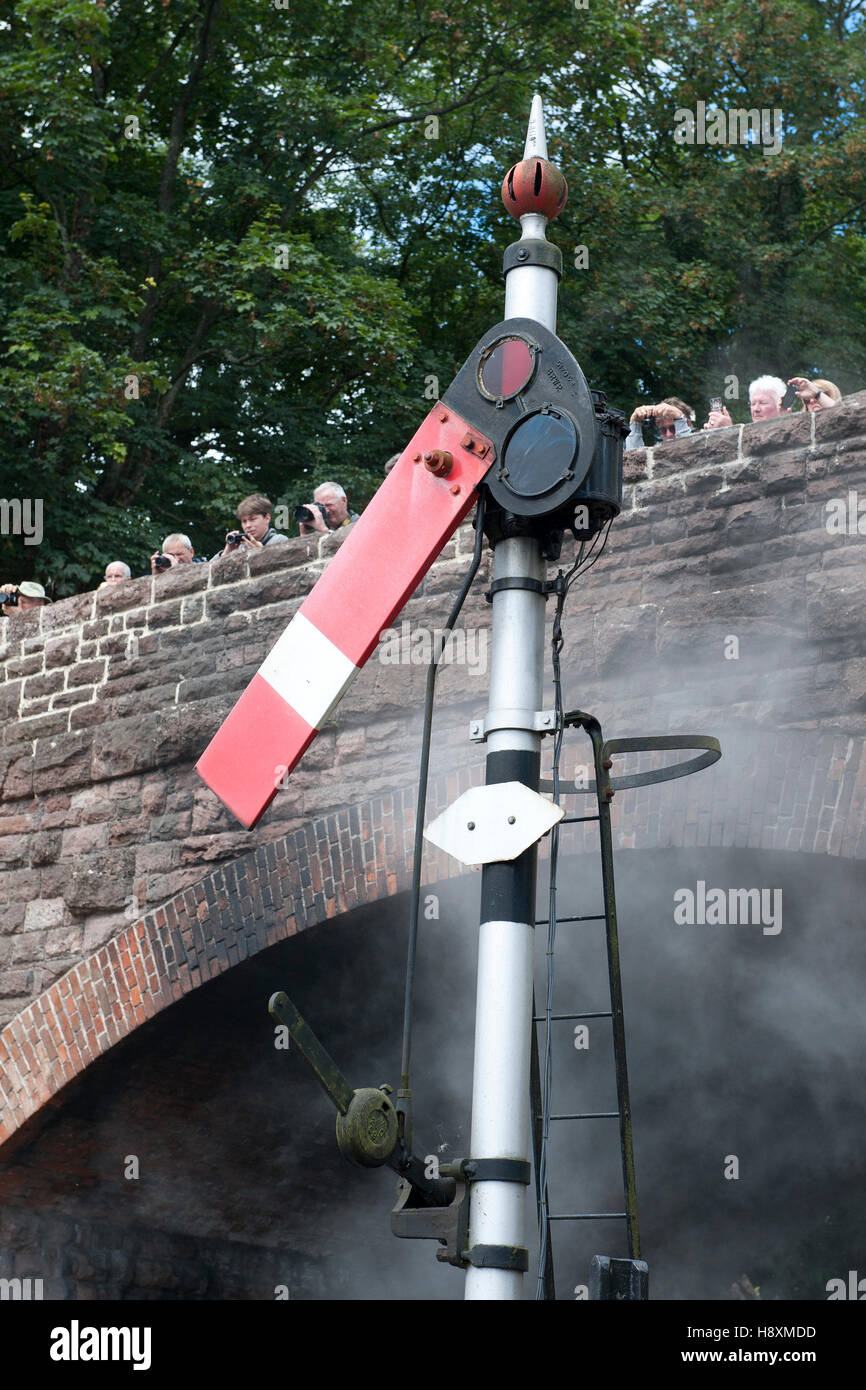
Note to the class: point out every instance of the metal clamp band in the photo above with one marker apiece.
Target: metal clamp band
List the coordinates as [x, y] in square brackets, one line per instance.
[532, 251]
[496, 1170]
[497, 1257]
[536, 586]
[541, 721]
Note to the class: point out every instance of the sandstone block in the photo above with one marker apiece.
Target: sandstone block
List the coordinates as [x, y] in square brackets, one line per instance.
[783, 432]
[86, 673]
[61, 651]
[102, 880]
[120, 597]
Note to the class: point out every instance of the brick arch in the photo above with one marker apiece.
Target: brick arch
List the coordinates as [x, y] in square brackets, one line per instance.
[316, 873]
[801, 791]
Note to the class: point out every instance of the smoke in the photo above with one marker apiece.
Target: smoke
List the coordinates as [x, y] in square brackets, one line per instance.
[740, 1046]
[744, 1048]
[743, 1045]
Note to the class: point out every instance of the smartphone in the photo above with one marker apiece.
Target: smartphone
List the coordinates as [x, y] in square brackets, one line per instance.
[716, 403]
[790, 398]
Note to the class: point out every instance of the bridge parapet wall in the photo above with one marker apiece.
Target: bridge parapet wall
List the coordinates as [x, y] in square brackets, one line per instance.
[107, 699]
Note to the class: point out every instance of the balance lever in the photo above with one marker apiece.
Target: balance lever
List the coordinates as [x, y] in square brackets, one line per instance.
[367, 1126]
[325, 1068]
[368, 1132]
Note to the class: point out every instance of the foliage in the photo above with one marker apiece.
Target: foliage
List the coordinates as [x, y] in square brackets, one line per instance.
[278, 224]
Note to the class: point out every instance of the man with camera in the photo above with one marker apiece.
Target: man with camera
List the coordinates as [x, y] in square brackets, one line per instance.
[672, 418]
[176, 550]
[20, 598]
[254, 515]
[328, 511]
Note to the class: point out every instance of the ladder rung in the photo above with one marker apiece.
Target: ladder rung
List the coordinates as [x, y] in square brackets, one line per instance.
[590, 1216]
[590, 1115]
[555, 1018]
[591, 917]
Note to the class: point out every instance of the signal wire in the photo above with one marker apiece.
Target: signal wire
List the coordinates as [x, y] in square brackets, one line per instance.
[404, 1104]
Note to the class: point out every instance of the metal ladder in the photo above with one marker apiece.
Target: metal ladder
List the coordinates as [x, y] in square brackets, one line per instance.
[610, 1278]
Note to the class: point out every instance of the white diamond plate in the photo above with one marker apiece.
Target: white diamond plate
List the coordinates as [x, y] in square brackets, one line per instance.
[506, 817]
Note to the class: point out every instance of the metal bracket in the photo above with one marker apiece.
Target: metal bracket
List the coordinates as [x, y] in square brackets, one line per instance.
[449, 1225]
[661, 743]
[532, 251]
[476, 444]
[539, 722]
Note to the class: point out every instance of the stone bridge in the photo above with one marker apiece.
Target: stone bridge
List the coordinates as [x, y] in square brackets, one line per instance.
[729, 600]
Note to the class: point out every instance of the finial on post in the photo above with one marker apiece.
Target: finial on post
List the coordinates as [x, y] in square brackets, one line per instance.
[536, 135]
[534, 191]
[535, 185]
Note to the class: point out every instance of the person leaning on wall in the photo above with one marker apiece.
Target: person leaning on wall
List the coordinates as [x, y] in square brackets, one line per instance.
[330, 498]
[115, 573]
[765, 403]
[177, 549]
[254, 515]
[671, 417]
[21, 598]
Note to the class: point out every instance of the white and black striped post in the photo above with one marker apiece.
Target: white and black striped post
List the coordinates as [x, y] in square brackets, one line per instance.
[503, 1022]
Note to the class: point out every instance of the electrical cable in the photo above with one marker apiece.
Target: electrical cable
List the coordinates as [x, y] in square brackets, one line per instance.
[405, 1093]
[563, 584]
[581, 568]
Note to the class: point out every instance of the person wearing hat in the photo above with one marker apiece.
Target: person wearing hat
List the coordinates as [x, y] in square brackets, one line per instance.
[29, 595]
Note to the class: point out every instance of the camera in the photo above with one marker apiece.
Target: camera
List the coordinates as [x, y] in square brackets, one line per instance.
[234, 537]
[162, 562]
[11, 600]
[306, 514]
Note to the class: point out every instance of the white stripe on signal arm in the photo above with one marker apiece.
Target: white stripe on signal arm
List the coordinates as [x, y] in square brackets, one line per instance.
[308, 671]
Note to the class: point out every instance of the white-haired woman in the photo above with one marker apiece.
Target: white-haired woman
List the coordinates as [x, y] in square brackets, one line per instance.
[765, 402]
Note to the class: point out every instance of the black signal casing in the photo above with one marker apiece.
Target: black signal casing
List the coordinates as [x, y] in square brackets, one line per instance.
[556, 449]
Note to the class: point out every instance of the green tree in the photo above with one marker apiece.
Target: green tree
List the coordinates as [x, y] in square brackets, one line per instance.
[239, 241]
